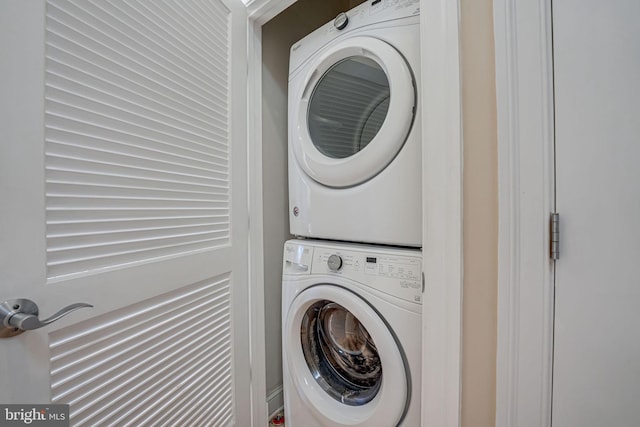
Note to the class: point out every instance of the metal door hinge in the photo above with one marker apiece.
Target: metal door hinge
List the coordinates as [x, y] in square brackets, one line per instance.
[423, 282]
[554, 225]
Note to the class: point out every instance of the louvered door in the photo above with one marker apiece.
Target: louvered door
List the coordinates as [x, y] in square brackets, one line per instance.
[123, 185]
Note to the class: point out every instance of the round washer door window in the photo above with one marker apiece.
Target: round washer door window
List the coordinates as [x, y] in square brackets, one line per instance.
[343, 359]
[353, 113]
[340, 353]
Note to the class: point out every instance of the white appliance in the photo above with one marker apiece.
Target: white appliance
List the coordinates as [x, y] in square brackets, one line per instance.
[351, 338]
[354, 128]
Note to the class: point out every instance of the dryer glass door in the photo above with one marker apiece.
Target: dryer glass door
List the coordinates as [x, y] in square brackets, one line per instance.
[340, 353]
[348, 106]
[353, 113]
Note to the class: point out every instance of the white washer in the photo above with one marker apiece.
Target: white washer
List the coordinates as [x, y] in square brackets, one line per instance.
[354, 136]
[351, 338]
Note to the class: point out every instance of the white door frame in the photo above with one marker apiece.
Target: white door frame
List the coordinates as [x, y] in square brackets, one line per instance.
[442, 153]
[259, 12]
[442, 219]
[524, 85]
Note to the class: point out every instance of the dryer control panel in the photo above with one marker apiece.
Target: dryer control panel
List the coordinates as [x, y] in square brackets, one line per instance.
[396, 272]
[384, 13]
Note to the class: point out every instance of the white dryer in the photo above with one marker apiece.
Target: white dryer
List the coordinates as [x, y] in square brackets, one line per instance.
[354, 128]
[351, 338]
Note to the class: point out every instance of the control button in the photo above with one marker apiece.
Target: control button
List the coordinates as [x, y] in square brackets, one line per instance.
[341, 21]
[334, 262]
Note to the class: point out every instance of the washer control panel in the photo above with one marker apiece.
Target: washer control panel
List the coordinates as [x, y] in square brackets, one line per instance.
[394, 272]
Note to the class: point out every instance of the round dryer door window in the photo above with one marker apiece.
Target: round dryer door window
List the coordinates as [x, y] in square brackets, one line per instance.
[354, 112]
[348, 107]
[343, 359]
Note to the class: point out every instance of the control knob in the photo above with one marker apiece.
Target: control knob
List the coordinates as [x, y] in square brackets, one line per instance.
[341, 21]
[334, 262]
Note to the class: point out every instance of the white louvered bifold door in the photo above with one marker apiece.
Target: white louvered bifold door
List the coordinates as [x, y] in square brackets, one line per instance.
[123, 185]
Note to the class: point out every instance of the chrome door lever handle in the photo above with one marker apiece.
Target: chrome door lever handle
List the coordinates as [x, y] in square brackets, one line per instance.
[28, 322]
[20, 315]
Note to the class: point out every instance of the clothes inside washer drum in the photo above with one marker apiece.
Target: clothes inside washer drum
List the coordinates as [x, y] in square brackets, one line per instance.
[340, 353]
[348, 344]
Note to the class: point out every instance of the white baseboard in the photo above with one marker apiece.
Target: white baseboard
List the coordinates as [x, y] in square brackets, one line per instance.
[275, 401]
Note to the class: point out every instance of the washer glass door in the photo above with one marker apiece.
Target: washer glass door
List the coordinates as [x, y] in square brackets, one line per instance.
[340, 353]
[342, 359]
[353, 113]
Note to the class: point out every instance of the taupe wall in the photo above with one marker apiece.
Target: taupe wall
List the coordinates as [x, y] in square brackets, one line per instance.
[480, 214]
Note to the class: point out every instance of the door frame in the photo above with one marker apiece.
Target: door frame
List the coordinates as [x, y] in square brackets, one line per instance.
[442, 216]
[524, 91]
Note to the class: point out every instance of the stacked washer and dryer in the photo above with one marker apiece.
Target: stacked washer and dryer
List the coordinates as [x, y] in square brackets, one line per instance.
[352, 287]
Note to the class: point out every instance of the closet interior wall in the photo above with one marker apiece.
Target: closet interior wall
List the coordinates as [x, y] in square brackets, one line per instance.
[278, 35]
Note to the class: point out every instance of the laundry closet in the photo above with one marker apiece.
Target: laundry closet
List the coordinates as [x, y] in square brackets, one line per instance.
[278, 35]
[129, 152]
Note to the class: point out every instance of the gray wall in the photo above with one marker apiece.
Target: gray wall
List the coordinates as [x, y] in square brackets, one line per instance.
[278, 35]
